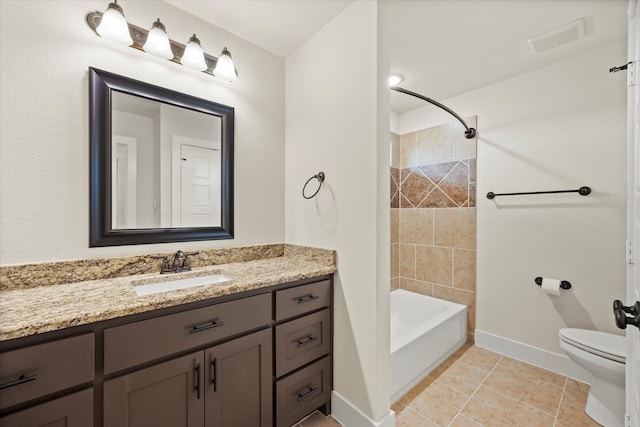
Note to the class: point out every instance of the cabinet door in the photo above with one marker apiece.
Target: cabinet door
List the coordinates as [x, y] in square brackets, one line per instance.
[169, 394]
[75, 410]
[239, 390]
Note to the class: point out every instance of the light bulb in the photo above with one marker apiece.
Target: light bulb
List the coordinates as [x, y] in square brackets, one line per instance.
[113, 25]
[193, 56]
[225, 68]
[157, 43]
[395, 80]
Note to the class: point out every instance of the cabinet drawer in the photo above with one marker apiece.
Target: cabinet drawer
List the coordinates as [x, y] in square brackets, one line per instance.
[135, 343]
[75, 410]
[42, 369]
[299, 394]
[302, 340]
[302, 299]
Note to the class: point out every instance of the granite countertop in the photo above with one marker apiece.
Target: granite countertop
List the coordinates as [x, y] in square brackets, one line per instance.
[30, 311]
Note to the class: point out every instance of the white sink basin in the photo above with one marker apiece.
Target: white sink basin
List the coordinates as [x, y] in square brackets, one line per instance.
[172, 285]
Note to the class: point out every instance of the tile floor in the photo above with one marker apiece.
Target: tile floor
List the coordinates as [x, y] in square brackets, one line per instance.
[476, 387]
[318, 419]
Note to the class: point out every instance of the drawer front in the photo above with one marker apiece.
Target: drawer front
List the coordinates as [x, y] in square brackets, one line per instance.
[45, 368]
[302, 299]
[302, 340]
[301, 393]
[75, 410]
[139, 342]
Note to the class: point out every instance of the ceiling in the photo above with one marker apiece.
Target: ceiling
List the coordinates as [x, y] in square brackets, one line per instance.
[442, 47]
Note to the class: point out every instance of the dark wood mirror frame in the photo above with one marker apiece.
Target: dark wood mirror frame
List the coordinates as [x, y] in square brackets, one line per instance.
[101, 233]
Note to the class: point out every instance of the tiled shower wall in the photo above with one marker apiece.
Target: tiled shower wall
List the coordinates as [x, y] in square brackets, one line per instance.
[433, 214]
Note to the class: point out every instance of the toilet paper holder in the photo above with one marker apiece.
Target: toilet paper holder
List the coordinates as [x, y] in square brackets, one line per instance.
[563, 284]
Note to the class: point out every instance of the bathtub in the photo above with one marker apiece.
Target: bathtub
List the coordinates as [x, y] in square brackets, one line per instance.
[424, 332]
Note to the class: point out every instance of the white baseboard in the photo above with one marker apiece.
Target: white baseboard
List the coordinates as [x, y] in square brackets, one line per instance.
[350, 416]
[554, 362]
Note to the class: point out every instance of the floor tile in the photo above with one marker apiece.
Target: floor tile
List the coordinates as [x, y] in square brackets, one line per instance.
[533, 371]
[317, 419]
[479, 357]
[575, 393]
[438, 402]
[462, 421]
[570, 416]
[462, 376]
[407, 417]
[419, 388]
[491, 408]
[509, 393]
[542, 395]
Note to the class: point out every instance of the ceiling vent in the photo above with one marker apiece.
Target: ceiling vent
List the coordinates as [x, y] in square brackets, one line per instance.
[558, 36]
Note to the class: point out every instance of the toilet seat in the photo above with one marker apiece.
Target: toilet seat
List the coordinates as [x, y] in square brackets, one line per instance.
[609, 346]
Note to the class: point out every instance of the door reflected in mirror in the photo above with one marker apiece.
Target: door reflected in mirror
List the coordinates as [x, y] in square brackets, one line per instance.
[161, 164]
[152, 141]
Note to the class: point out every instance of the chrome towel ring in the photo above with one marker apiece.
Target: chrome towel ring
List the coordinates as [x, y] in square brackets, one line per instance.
[320, 177]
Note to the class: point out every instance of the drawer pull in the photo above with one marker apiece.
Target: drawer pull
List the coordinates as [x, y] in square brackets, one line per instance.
[307, 298]
[214, 374]
[307, 340]
[197, 371]
[213, 324]
[21, 380]
[302, 396]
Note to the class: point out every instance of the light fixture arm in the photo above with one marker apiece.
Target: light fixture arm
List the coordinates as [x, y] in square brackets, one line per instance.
[139, 36]
[469, 133]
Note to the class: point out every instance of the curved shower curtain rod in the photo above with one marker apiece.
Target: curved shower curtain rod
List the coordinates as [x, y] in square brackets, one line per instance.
[468, 133]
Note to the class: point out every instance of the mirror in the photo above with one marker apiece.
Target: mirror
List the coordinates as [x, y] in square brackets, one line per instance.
[161, 164]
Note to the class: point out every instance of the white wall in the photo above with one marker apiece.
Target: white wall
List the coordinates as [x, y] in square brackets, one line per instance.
[142, 129]
[336, 104]
[560, 127]
[44, 137]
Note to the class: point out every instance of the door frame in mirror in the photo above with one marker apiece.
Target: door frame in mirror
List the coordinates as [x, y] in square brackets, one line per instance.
[101, 233]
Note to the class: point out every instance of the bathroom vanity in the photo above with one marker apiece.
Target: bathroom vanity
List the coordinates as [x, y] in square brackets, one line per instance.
[259, 357]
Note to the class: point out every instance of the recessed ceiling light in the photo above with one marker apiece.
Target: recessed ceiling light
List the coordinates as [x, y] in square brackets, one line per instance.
[395, 79]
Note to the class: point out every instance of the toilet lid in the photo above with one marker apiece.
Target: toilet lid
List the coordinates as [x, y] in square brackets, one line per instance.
[612, 347]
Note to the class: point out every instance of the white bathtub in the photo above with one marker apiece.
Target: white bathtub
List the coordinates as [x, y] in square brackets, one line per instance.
[424, 332]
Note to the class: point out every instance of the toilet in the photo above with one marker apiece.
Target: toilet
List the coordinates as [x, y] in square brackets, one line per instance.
[604, 356]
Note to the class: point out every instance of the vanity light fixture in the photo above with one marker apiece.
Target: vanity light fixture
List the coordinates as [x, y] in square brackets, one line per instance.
[193, 56]
[112, 25]
[157, 43]
[224, 68]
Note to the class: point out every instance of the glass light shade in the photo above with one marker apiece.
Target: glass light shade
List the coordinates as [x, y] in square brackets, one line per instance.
[225, 68]
[157, 43]
[113, 26]
[193, 56]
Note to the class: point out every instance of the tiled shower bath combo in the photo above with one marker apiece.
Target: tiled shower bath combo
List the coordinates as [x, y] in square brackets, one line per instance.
[433, 215]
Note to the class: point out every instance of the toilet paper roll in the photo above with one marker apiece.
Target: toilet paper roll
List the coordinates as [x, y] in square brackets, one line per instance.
[551, 286]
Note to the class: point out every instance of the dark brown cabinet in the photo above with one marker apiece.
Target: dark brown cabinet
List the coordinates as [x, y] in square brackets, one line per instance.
[303, 334]
[75, 410]
[225, 385]
[261, 358]
[238, 388]
[163, 395]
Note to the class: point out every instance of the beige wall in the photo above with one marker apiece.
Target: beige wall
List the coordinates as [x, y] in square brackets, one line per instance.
[334, 117]
[46, 49]
[433, 215]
